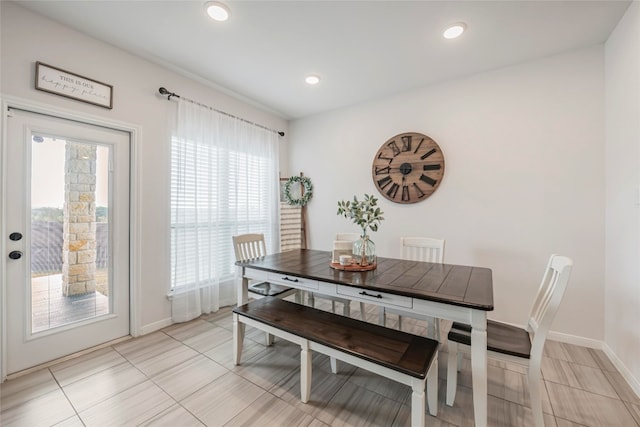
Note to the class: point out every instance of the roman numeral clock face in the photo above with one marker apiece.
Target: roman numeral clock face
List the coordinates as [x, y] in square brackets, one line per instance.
[408, 168]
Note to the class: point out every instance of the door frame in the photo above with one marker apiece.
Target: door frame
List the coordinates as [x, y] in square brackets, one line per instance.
[134, 209]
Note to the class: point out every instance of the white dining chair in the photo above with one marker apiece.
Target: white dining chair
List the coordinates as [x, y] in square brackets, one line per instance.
[252, 246]
[346, 303]
[509, 343]
[248, 247]
[418, 249]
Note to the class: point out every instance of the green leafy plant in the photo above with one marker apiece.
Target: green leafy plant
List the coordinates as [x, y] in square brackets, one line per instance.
[365, 213]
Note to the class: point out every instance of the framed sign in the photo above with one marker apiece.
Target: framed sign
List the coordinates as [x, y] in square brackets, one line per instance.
[64, 83]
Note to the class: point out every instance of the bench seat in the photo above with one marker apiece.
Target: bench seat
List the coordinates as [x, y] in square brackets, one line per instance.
[406, 358]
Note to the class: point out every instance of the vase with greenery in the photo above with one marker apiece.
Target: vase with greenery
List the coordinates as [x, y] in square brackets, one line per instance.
[368, 216]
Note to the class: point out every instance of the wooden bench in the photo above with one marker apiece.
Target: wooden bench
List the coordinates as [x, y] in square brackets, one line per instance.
[409, 359]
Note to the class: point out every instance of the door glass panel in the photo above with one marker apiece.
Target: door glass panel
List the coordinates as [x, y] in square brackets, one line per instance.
[69, 232]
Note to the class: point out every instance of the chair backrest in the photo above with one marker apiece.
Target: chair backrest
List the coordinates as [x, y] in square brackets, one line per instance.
[249, 246]
[349, 237]
[422, 249]
[545, 306]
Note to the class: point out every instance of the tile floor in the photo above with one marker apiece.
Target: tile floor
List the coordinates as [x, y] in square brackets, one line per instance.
[184, 376]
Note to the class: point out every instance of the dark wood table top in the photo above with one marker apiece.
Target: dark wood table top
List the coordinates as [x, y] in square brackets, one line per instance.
[459, 285]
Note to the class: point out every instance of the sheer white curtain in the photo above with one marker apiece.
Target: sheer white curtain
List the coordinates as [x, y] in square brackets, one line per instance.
[224, 181]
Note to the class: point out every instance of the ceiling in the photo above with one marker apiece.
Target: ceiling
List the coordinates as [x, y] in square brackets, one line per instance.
[362, 50]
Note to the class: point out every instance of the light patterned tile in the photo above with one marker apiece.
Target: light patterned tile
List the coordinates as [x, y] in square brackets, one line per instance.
[357, 406]
[324, 384]
[587, 408]
[268, 410]
[580, 355]
[94, 389]
[223, 353]
[578, 376]
[561, 422]
[634, 410]
[460, 413]
[622, 388]
[555, 350]
[503, 413]
[86, 365]
[70, 422]
[403, 419]
[594, 380]
[166, 360]
[43, 410]
[212, 338]
[221, 400]
[268, 368]
[175, 415]
[603, 360]
[317, 423]
[188, 377]
[139, 349]
[131, 407]
[183, 331]
[27, 387]
[385, 387]
[559, 371]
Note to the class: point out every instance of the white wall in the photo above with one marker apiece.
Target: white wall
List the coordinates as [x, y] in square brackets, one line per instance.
[27, 37]
[524, 177]
[622, 302]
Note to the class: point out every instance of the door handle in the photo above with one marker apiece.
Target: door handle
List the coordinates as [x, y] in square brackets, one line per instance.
[15, 254]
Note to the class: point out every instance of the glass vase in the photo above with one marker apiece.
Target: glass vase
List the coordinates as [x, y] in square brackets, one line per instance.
[364, 251]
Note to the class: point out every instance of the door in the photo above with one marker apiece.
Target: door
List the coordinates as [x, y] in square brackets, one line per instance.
[67, 226]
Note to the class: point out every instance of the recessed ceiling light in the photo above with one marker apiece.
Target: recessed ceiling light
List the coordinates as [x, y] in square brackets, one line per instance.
[454, 31]
[217, 10]
[312, 79]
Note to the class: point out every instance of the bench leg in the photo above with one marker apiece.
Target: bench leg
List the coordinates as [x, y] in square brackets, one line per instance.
[238, 338]
[418, 404]
[432, 387]
[305, 372]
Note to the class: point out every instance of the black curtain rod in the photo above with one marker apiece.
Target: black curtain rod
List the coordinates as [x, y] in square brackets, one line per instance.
[164, 91]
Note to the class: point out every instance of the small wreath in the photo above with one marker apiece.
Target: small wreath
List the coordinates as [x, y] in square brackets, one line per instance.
[307, 192]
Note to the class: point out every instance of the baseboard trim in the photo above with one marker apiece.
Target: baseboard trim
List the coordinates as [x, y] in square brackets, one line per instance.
[621, 367]
[576, 340]
[155, 326]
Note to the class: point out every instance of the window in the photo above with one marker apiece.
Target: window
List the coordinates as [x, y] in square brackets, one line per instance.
[224, 181]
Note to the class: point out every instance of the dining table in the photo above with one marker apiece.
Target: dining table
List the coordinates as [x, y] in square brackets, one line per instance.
[458, 293]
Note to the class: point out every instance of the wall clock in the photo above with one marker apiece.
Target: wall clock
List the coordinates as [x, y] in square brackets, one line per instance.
[408, 168]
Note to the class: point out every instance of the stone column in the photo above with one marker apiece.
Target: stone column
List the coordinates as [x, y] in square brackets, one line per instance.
[79, 227]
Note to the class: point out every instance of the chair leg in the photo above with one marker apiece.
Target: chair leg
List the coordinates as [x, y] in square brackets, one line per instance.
[269, 339]
[311, 300]
[362, 312]
[382, 317]
[399, 322]
[333, 307]
[346, 309]
[535, 397]
[452, 372]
